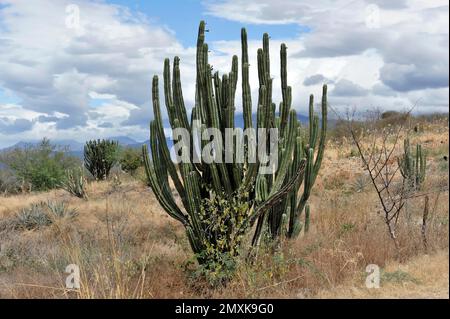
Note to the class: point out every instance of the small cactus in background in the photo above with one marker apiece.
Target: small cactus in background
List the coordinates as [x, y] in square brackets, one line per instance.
[221, 201]
[100, 156]
[413, 166]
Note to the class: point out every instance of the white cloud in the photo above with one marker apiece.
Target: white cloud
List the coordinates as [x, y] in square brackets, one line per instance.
[52, 68]
[95, 80]
[99, 96]
[400, 47]
[348, 88]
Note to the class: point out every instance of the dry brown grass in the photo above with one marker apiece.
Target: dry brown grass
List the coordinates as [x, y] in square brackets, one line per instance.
[424, 276]
[127, 247]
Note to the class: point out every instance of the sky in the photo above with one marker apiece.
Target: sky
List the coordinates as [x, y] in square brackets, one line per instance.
[82, 69]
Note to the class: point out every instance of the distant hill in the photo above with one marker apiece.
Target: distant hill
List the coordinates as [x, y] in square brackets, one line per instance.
[70, 144]
[123, 140]
[75, 148]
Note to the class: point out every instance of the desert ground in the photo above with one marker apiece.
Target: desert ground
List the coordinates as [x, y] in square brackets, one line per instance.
[126, 246]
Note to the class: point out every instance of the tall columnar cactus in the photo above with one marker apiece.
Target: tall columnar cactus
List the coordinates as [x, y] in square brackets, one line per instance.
[413, 166]
[100, 156]
[221, 200]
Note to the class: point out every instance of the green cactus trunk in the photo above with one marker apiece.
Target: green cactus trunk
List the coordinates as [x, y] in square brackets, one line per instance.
[100, 156]
[413, 166]
[220, 202]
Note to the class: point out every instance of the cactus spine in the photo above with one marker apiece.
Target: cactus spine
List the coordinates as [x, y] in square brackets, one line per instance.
[413, 166]
[221, 201]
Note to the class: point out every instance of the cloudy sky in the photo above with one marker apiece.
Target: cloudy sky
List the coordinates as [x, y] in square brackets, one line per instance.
[82, 69]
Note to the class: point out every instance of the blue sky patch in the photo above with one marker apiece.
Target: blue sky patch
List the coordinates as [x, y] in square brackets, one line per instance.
[8, 98]
[183, 16]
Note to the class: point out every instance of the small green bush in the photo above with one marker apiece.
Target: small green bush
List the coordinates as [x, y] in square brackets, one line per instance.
[43, 166]
[443, 166]
[398, 276]
[216, 272]
[392, 118]
[131, 160]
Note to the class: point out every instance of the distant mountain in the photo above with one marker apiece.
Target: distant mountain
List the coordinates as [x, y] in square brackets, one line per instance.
[239, 119]
[20, 144]
[70, 144]
[76, 148]
[123, 140]
[139, 144]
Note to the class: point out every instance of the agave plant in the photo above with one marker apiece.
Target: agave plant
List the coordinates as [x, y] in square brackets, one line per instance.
[75, 183]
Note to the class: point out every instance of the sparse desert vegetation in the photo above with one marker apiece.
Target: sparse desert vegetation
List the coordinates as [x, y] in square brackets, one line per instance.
[127, 247]
[365, 194]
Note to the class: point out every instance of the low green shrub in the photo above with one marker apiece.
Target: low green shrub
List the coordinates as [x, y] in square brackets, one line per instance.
[43, 166]
[130, 160]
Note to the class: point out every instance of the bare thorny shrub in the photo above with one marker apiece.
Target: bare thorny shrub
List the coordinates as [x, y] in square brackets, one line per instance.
[378, 149]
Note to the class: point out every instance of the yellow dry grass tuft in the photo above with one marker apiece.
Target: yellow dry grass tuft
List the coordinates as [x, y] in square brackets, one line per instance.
[424, 276]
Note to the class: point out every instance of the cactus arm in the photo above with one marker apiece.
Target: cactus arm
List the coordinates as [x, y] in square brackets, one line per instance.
[287, 156]
[279, 180]
[215, 121]
[251, 168]
[285, 105]
[194, 198]
[261, 193]
[246, 91]
[313, 123]
[266, 51]
[180, 109]
[160, 136]
[277, 196]
[307, 218]
[219, 98]
[308, 182]
[323, 133]
[261, 67]
[171, 112]
[166, 202]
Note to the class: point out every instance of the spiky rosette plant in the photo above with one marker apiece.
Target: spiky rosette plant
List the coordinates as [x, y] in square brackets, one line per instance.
[220, 200]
